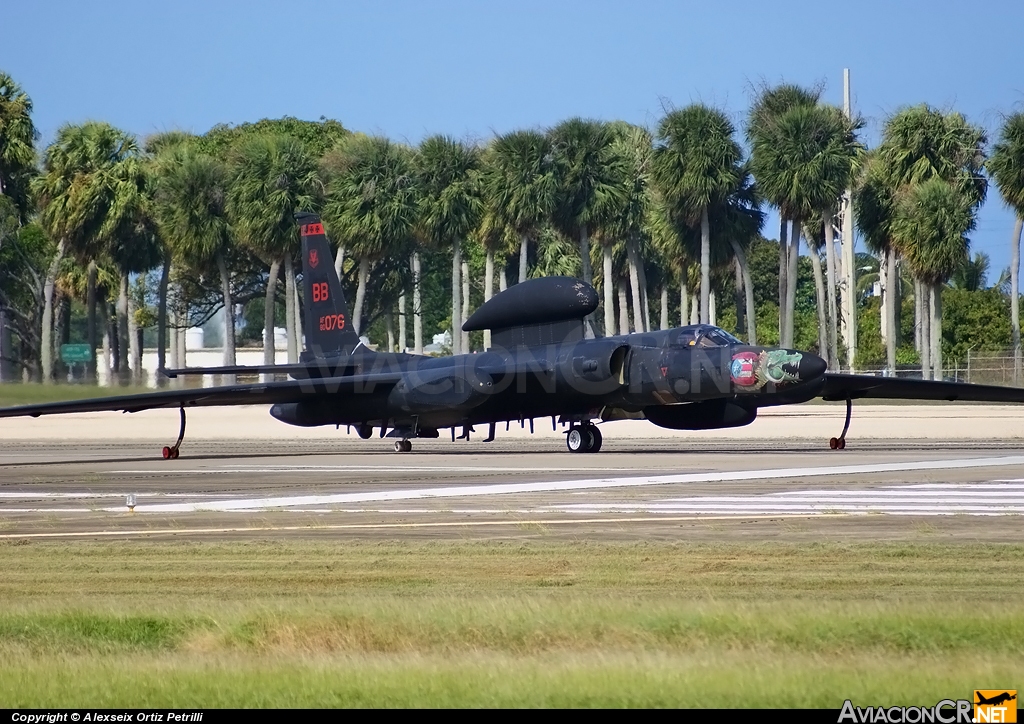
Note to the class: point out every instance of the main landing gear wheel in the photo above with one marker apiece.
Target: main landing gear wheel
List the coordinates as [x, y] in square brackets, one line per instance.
[170, 452]
[578, 440]
[403, 446]
[583, 439]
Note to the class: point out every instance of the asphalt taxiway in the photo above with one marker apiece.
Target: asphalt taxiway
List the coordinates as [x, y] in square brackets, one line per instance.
[517, 487]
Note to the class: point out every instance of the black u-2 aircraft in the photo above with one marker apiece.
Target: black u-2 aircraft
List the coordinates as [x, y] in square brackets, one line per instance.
[540, 365]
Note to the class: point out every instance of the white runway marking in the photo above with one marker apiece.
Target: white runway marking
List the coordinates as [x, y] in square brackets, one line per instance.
[461, 491]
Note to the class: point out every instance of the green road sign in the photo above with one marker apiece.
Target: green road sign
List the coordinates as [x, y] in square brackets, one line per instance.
[75, 353]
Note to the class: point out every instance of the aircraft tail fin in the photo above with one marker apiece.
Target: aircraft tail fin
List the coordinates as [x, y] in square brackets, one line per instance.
[328, 328]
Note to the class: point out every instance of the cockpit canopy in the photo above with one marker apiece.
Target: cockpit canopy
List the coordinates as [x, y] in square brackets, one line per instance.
[705, 336]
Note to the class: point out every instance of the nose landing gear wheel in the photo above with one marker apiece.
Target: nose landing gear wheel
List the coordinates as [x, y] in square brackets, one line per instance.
[595, 437]
[403, 446]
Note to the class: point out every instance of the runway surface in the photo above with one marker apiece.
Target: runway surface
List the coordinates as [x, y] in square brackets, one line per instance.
[515, 489]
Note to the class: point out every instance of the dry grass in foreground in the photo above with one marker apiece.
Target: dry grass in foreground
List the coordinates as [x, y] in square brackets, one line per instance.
[489, 624]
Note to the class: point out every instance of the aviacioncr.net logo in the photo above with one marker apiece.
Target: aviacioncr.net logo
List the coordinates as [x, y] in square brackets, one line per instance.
[946, 711]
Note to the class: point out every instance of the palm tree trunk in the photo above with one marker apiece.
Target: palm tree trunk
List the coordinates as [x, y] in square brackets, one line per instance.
[892, 325]
[289, 309]
[417, 309]
[819, 288]
[46, 336]
[925, 320]
[389, 322]
[791, 280]
[644, 302]
[695, 309]
[90, 303]
[737, 297]
[457, 296]
[122, 330]
[402, 338]
[229, 317]
[524, 242]
[465, 307]
[830, 266]
[588, 274]
[502, 279]
[918, 315]
[705, 267]
[297, 310]
[61, 319]
[109, 341]
[783, 274]
[608, 286]
[488, 290]
[748, 290]
[684, 304]
[664, 307]
[269, 309]
[134, 348]
[1015, 297]
[364, 275]
[161, 320]
[623, 308]
[935, 332]
[172, 323]
[182, 347]
[639, 318]
[339, 261]
[712, 308]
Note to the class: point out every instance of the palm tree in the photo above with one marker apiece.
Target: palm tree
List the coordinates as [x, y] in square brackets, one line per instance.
[740, 220]
[697, 163]
[804, 161]
[371, 204]
[91, 187]
[129, 234]
[762, 123]
[634, 146]
[930, 227]
[520, 186]
[158, 147]
[920, 144]
[270, 178]
[874, 204]
[497, 241]
[190, 201]
[1007, 168]
[590, 189]
[450, 207]
[972, 275]
[17, 139]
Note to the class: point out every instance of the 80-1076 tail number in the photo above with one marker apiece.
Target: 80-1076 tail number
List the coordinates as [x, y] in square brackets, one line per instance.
[330, 322]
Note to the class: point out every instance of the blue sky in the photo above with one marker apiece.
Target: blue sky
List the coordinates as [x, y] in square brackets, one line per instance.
[408, 69]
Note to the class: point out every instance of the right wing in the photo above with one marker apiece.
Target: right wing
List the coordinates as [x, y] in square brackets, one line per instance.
[855, 387]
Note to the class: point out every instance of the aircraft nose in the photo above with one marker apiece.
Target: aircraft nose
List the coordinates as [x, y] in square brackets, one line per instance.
[811, 367]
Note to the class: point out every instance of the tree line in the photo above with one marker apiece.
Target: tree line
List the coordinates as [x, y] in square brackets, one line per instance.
[662, 221]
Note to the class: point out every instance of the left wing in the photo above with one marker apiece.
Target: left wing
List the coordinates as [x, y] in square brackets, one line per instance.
[269, 393]
[855, 387]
